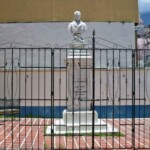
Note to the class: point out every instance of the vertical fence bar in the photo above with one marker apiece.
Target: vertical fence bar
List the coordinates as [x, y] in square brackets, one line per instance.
[5, 64]
[126, 93]
[66, 73]
[107, 88]
[100, 103]
[12, 78]
[93, 92]
[119, 94]
[44, 96]
[144, 102]
[38, 91]
[31, 92]
[133, 99]
[59, 97]
[79, 63]
[86, 90]
[19, 92]
[52, 98]
[73, 97]
[139, 95]
[113, 98]
[25, 95]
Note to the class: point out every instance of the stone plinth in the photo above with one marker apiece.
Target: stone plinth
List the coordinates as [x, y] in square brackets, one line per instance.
[80, 122]
[79, 117]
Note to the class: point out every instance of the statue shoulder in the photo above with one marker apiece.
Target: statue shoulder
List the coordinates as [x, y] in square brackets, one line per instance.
[83, 23]
[72, 23]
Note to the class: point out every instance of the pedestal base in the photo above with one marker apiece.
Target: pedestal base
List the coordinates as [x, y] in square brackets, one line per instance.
[79, 122]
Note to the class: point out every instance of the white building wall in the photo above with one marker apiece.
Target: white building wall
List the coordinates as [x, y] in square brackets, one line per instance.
[40, 34]
[33, 86]
[108, 35]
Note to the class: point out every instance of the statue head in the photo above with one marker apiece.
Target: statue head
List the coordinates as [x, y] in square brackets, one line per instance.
[77, 15]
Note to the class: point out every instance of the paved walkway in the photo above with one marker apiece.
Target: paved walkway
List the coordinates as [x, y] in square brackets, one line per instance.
[29, 134]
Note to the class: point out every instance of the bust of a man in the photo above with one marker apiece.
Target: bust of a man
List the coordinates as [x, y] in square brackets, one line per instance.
[77, 27]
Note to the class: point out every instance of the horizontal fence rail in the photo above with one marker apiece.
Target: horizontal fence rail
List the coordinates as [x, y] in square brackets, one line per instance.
[64, 98]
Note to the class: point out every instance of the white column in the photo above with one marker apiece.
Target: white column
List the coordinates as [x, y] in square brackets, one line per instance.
[79, 83]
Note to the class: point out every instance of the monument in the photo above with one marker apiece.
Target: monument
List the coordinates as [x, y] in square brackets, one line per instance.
[77, 117]
[78, 58]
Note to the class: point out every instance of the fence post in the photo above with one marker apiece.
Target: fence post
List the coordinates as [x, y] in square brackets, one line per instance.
[93, 92]
[12, 91]
[52, 98]
[133, 98]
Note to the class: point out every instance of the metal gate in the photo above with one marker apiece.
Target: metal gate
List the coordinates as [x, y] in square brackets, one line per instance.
[34, 92]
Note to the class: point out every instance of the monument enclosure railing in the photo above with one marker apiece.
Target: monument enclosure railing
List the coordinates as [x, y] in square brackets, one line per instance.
[57, 83]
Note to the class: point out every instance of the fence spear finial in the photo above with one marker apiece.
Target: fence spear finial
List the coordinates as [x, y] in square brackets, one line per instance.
[93, 32]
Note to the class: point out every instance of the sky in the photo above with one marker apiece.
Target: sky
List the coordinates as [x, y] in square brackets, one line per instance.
[144, 10]
[144, 6]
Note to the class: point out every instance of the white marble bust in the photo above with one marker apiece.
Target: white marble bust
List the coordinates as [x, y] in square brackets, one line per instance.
[77, 27]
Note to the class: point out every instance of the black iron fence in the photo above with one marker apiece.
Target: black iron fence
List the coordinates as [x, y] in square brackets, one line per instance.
[63, 98]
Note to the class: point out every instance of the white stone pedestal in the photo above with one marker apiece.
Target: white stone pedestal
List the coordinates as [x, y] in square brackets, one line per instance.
[79, 122]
